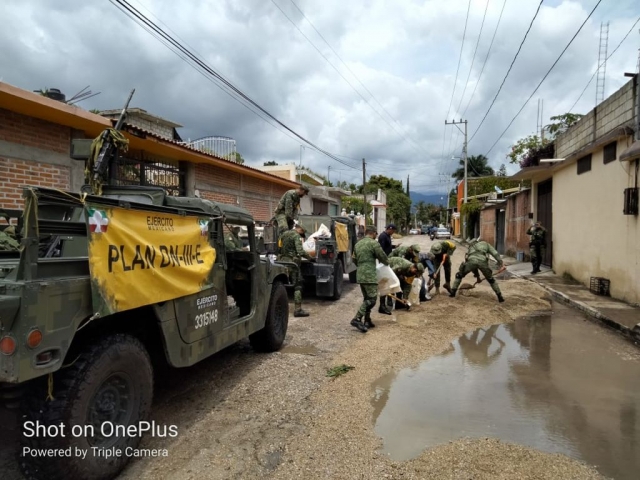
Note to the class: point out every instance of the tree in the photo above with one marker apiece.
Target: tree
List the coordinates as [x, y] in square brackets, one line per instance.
[270, 163]
[561, 123]
[477, 166]
[95, 110]
[236, 157]
[353, 187]
[352, 204]
[529, 150]
[502, 172]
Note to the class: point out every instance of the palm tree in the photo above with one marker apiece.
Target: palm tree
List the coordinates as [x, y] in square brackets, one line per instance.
[477, 167]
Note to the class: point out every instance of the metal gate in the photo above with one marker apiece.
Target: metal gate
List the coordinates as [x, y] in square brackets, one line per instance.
[545, 197]
[501, 217]
[148, 171]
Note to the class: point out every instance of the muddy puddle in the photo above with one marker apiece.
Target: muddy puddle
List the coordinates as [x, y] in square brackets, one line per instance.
[550, 381]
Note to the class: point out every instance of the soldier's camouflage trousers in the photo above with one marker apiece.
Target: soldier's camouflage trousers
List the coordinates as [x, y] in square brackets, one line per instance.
[537, 254]
[281, 220]
[446, 267]
[295, 275]
[370, 296]
[468, 267]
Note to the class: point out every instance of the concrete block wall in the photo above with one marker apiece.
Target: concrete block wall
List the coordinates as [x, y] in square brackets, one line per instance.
[517, 223]
[614, 112]
[258, 196]
[159, 129]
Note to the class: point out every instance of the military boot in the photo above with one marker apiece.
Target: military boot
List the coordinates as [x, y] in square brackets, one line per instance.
[447, 287]
[368, 323]
[299, 312]
[500, 297]
[452, 292]
[359, 325]
[384, 310]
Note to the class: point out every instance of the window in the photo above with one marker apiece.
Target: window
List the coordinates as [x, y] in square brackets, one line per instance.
[610, 153]
[584, 164]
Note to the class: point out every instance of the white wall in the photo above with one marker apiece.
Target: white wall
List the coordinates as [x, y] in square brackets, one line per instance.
[591, 235]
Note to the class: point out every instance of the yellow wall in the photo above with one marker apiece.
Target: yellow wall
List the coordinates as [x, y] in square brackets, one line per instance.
[591, 235]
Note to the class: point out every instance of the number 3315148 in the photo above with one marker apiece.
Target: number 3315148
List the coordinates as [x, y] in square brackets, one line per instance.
[206, 318]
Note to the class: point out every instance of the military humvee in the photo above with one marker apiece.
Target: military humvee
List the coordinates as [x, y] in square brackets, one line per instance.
[79, 351]
[333, 254]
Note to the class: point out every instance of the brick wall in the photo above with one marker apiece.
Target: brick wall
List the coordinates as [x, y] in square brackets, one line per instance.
[488, 226]
[33, 132]
[15, 174]
[518, 221]
[616, 111]
[260, 197]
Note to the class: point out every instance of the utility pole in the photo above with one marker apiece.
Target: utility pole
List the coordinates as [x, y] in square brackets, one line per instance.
[464, 157]
[300, 167]
[329, 174]
[364, 191]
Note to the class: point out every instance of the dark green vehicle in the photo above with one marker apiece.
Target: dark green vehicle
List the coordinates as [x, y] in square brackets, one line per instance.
[333, 253]
[64, 361]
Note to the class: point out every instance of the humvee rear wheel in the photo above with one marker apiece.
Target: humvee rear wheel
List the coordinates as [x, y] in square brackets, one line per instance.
[338, 277]
[108, 386]
[353, 276]
[271, 337]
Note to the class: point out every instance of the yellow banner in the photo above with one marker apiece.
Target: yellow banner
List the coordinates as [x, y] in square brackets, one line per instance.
[140, 258]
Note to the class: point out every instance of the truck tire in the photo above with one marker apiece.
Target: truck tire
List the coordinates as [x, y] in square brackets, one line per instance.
[338, 277]
[353, 276]
[110, 381]
[271, 337]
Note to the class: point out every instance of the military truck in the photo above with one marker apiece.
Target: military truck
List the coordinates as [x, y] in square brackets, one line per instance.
[333, 254]
[107, 289]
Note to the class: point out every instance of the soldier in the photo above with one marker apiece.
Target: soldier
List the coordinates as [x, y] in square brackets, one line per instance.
[385, 241]
[8, 241]
[234, 239]
[365, 254]
[426, 260]
[439, 250]
[405, 270]
[477, 258]
[408, 252]
[537, 245]
[292, 251]
[287, 210]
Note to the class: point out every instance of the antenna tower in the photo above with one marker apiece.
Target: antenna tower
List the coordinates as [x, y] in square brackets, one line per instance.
[602, 62]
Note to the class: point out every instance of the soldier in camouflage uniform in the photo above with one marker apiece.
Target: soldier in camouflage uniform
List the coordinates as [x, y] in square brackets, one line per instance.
[405, 270]
[287, 210]
[477, 258]
[8, 242]
[537, 245]
[292, 251]
[365, 254]
[439, 250]
[407, 252]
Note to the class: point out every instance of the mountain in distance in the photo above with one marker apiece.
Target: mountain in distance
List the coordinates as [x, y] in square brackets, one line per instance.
[435, 198]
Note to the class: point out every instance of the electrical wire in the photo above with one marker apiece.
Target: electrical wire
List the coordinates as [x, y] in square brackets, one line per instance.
[161, 35]
[346, 80]
[508, 72]
[600, 66]
[544, 78]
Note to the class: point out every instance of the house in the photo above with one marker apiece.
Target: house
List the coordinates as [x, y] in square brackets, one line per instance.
[322, 200]
[140, 118]
[376, 211]
[36, 136]
[587, 196]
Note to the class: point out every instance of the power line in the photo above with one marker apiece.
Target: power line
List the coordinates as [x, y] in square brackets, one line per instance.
[345, 78]
[172, 44]
[485, 58]
[347, 67]
[544, 78]
[508, 71]
[599, 66]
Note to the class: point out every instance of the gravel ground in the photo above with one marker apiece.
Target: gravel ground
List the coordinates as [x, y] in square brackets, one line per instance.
[246, 415]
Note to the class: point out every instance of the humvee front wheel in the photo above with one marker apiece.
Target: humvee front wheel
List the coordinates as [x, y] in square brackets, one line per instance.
[109, 385]
[271, 337]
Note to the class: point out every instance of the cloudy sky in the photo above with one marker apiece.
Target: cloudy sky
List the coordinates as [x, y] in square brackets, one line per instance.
[382, 92]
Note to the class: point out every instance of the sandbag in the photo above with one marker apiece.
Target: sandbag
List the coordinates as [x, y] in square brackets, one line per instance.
[414, 295]
[387, 280]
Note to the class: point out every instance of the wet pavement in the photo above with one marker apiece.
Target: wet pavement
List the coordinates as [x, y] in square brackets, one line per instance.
[552, 381]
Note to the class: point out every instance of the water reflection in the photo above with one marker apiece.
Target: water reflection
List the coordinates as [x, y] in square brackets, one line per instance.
[553, 382]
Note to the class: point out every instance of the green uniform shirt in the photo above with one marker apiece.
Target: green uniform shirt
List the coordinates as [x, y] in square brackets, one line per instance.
[289, 205]
[365, 254]
[479, 252]
[538, 236]
[402, 252]
[401, 266]
[292, 246]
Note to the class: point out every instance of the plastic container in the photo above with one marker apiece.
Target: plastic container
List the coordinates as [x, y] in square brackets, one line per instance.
[414, 295]
[387, 280]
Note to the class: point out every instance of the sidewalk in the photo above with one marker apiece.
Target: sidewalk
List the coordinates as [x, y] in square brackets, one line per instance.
[616, 314]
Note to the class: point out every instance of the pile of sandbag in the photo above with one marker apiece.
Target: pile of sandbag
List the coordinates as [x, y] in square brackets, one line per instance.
[310, 245]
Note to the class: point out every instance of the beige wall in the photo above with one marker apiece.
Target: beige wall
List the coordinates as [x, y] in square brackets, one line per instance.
[591, 235]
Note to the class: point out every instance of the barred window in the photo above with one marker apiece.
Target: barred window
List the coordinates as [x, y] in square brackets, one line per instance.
[584, 164]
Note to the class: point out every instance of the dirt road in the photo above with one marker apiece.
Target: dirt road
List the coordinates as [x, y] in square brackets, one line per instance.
[247, 415]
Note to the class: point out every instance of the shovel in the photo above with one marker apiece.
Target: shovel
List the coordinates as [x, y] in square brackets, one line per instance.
[405, 302]
[432, 280]
[479, 279]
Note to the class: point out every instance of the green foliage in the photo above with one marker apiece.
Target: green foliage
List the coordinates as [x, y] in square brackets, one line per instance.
[95, 110]
[471, 207]
[351, 203]
[428, 213]
[270, 163]
[384, 183]
[526, 147]
[478, 186]
[502, 172]
[453, 201]
[398, 207]
[338, 370]
[477, 166]
[561, 123]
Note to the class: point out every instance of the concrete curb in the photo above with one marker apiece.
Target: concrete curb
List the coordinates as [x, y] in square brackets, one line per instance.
[630, 334]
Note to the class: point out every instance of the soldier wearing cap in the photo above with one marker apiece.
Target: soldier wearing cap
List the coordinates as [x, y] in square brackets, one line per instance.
[477, 258]
[292, 251]
[537, 245]
[287, 210]
[365, 254]
[406, 271]
[385, 241]
[439, 251]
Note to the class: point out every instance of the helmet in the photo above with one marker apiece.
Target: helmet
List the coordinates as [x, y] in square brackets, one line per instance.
[416, 248]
